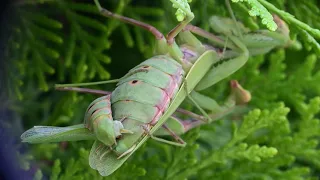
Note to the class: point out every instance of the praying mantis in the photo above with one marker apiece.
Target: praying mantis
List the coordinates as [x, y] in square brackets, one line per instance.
[144, 100]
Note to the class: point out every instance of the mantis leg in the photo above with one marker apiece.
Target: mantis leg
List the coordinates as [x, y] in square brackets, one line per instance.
[167, 141]
[223, 70]
[190, 114]
[242, 44]
[207, 119]
[87, 83]
[83, 90]
[180, 142]
[174, 135]
[237, 98]
[195, 102]
[175, 31]
[124, 19]
[239, 53]
[211, 37]
[173, 49]
[226, 68]
[161, 43]
[164, 45]
[182, 126]
[193, 123]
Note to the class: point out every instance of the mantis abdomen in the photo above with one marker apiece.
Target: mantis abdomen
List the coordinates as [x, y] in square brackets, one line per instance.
[143, 95]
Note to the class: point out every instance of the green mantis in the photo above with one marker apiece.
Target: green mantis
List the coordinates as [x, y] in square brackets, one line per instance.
[144, 100]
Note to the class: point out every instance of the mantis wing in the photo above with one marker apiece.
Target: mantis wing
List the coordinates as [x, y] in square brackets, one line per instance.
[46, 134]
[103, 159]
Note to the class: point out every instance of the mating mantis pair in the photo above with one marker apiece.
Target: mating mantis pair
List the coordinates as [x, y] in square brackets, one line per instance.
[144, 100]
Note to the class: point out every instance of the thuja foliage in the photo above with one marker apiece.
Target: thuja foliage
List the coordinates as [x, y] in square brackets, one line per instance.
[275, 136]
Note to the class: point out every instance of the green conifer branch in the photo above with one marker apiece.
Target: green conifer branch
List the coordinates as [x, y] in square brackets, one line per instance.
[290, 19]
[309, 34]
[258, 9]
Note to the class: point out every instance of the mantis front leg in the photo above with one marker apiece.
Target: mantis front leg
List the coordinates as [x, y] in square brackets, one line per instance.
[226, 68]
[238, 44]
